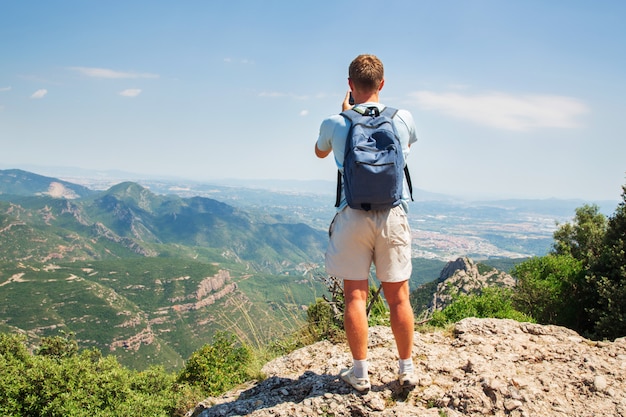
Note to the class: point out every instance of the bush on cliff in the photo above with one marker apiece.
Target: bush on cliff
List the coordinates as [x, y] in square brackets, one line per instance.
[492, 302]
[59, 381]
[219, 366]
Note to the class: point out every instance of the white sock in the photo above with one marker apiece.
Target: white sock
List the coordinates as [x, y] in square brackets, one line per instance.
[405, 365]
[360, 368]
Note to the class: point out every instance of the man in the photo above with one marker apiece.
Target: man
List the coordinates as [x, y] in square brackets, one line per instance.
[358, 237]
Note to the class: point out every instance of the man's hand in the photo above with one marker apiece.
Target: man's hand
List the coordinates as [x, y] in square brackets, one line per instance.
[346, 102]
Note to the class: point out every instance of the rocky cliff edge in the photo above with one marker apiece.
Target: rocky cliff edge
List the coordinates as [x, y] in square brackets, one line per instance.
[484, 367]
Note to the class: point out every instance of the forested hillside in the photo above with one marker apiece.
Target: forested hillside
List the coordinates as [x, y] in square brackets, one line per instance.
[149, 278]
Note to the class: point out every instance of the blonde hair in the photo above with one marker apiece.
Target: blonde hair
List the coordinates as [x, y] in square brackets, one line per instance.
[366, 72]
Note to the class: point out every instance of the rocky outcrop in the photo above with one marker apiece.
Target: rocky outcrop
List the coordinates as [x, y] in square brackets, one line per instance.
[144, 337]
[207, 300]
[212, 284]
[485, 367]
[210, 290]
[463, 277]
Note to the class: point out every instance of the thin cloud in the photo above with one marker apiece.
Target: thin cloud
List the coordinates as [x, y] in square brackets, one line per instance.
[243, 61]
[304, 113]
[130, 92]
[506, 111]
[272, 94]
[277, 94]
[111, 74]
[2, 89]
[39, 93]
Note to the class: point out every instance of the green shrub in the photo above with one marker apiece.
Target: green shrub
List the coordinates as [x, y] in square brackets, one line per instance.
[325, 318]
[322, 323]
[219, 366]
[551, 289]
[13, 348]
[58, 346]
[492, 302]
[83, 384]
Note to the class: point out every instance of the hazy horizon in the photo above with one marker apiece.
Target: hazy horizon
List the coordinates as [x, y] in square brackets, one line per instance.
[323, 186]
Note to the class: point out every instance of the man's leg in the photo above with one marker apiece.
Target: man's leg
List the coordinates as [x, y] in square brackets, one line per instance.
[355, 324]
[401, 314]
[355, 317]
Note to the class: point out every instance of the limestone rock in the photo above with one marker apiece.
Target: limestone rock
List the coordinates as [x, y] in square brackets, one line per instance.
[485, 367]
[463, 277]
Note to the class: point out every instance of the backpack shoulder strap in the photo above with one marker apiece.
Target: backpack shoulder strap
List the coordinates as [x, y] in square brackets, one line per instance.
[339, 186]
[407, 176]
[351, 115]
[389, 112]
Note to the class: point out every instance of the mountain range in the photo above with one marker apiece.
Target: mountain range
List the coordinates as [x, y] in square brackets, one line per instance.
[147, 277]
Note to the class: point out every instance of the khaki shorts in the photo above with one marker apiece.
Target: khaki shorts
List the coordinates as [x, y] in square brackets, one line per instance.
[358, 238]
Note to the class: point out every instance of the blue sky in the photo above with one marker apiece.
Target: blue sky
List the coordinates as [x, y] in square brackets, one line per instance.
[511, 98]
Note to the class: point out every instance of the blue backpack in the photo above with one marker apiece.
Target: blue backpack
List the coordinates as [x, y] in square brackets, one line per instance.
[374, 169]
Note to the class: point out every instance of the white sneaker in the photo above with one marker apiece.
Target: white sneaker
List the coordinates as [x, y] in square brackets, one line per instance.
[407, 379]
[359, 384]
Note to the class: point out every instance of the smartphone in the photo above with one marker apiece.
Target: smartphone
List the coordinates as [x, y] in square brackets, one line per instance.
[351, 99]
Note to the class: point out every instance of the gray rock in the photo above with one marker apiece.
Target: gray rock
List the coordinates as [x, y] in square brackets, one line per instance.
[485, 367]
